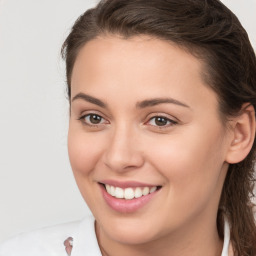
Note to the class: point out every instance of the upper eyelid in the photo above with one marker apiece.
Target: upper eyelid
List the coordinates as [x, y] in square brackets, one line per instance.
[91, 125]
[172, 121]
[147, 118]
[89, 114]
[92, 112]
[164, 115]
[168, 119]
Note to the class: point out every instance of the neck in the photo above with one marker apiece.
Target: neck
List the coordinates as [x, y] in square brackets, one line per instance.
[203, 241]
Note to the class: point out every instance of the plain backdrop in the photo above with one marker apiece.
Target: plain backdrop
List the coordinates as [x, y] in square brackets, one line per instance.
[37, 187]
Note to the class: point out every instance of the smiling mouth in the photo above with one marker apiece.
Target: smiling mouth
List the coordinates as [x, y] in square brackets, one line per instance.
[130, 192]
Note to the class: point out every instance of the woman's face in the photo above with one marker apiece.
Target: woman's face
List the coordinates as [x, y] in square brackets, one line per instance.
[144, 122]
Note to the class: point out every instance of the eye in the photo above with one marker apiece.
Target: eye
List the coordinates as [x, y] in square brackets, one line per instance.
[161, 121]
[93, 119]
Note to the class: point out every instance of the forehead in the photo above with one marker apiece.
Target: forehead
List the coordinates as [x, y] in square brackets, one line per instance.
[141, 51]
[142, 66]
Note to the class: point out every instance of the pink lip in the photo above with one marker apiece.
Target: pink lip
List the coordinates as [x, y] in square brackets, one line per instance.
[126, 206]
[126, 184]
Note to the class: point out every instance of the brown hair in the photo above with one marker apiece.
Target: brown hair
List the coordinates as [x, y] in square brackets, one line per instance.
[212, 33]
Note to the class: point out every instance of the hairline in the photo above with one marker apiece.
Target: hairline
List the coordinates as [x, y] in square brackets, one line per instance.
[191, 48]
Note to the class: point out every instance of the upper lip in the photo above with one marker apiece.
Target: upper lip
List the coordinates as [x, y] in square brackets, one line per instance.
[127, 184]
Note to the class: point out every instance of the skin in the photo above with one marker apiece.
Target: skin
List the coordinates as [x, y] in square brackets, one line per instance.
[186, 157]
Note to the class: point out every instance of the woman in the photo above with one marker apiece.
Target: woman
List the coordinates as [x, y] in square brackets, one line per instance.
[162, 132]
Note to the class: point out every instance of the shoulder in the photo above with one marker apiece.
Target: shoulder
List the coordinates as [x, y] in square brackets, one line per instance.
[42, 242]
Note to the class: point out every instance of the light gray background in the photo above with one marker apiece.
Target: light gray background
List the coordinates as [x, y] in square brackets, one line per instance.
[36, 183]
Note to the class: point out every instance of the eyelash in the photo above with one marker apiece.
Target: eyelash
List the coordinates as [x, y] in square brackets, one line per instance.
[83, 119]
[169, 122]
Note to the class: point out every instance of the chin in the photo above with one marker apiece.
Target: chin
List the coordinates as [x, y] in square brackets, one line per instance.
[130, 232]
[131, 237]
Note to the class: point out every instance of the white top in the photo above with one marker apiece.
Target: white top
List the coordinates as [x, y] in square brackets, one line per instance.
[49, 241]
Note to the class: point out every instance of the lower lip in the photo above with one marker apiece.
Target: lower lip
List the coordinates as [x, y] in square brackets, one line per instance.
[126, 206]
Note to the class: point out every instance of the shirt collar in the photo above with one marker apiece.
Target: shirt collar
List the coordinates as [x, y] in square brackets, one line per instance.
[85, 240]
[227, 247]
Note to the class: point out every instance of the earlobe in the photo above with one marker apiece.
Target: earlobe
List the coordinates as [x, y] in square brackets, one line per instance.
[243, 135]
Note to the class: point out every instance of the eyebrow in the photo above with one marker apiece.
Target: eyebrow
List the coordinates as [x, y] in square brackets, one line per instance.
[90, 99]
[141, 104]
[157, 101]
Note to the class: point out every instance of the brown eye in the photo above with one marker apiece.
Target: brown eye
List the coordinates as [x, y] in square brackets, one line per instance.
[161, 121]
[93, 119]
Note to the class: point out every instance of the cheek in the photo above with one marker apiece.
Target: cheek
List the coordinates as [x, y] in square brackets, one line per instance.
[84, 151]
[191, 162]
[191, 169]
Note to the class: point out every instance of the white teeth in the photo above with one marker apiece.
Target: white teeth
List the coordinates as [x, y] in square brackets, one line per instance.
[119, 193]
[108, 188]
[138, 192]
[129, 193]
[152, 190]
[112, 191]
[145, 191]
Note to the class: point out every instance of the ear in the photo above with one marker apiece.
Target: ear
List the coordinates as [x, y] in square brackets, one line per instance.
[243, 134]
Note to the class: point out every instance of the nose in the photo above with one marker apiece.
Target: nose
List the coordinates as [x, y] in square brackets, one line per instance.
[123, 151]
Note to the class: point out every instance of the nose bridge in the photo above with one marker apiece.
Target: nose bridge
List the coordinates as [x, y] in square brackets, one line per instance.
[123, 152]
